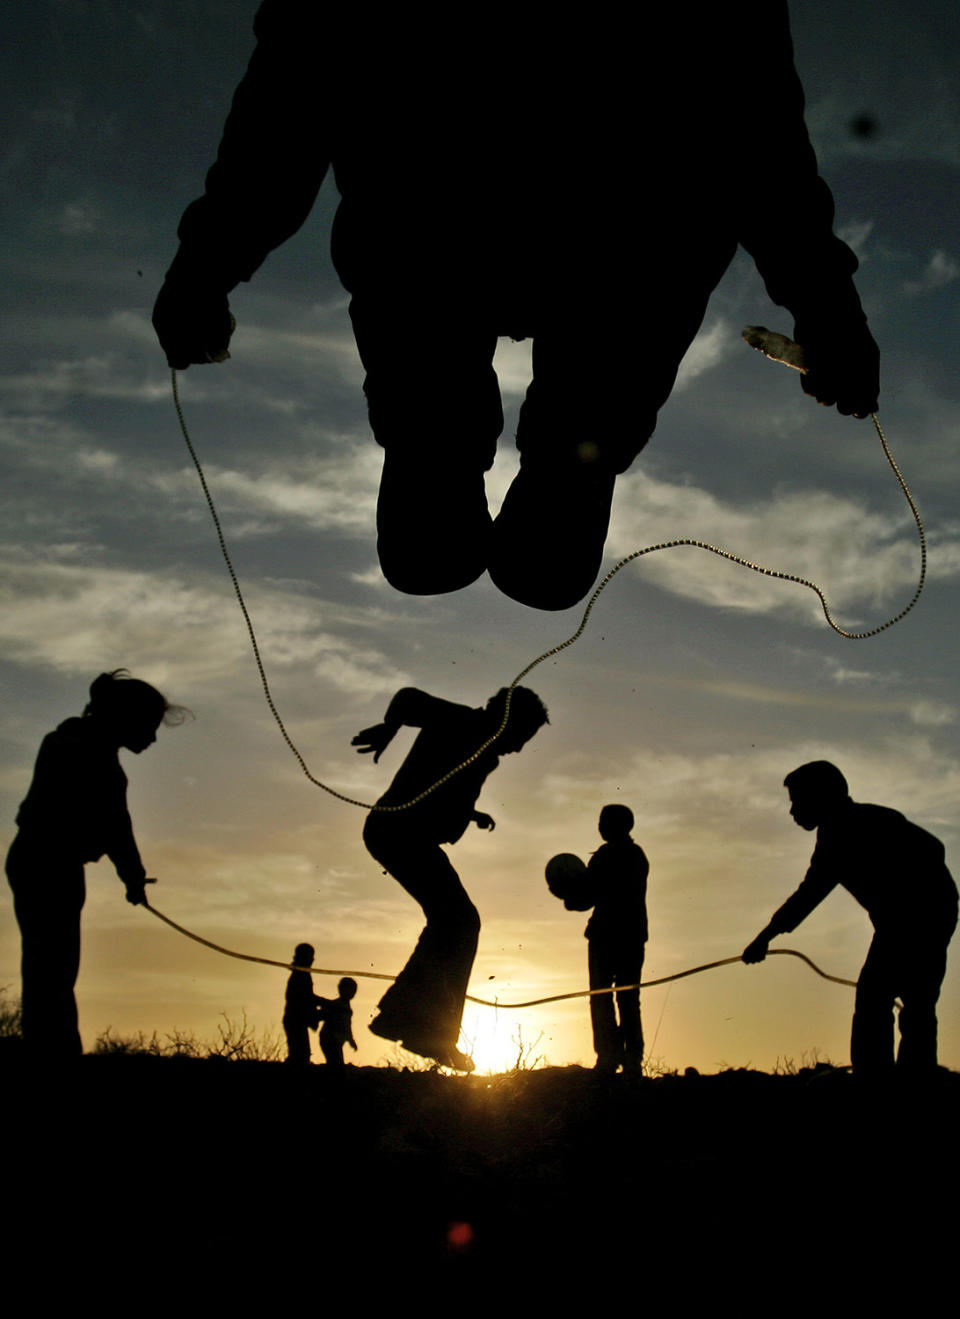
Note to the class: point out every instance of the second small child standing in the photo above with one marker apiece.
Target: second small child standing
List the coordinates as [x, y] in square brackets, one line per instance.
[337, 1015]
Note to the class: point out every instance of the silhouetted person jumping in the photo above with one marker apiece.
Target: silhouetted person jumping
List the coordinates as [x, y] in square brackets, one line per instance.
[896, 871]
[301, 1008]
[614, 884]
[424, 1005]
[76, 811]
[337, 1016]
[529, 175]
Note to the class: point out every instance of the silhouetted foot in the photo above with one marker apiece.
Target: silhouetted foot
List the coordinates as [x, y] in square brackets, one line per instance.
[447, 1055]
[386, 1027]
[606, 1066]
[548, 537]
[433, 525]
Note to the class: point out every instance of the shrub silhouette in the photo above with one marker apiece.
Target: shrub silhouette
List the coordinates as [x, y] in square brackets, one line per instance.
[239, 1041]
[11, 1016]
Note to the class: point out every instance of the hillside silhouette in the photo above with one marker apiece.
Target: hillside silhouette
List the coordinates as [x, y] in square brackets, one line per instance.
[242, 1175]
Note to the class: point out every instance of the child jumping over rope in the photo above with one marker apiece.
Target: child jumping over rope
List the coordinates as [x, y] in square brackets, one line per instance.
[337, 1015]
[596, 222]
[424, 1006]
[614, 884]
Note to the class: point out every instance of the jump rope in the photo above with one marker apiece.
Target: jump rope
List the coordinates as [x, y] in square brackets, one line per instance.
[774, 346]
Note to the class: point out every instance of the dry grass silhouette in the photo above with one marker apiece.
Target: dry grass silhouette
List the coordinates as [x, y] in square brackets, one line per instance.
[238, 1040]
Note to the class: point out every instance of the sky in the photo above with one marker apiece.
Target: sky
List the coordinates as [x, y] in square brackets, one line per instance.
[695, 688]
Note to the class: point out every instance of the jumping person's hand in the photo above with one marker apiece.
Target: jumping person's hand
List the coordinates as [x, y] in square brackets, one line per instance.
[193, 324]
[375, 739]
[484, 821]
[843, 367]
[756, 951]
[136, 893]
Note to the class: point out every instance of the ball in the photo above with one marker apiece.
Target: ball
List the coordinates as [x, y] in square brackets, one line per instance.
[563, 872]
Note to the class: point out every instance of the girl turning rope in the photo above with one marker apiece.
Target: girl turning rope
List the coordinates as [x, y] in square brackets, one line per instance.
[74, 812]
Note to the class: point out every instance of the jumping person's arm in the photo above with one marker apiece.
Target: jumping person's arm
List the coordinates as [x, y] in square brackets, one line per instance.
[786, 219]
[410, 708]
[273, 157]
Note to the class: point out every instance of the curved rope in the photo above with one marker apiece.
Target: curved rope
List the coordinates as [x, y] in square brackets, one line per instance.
[489, 1003]
[554, 650]
[268, 695]
[664, 980]
[264, 961]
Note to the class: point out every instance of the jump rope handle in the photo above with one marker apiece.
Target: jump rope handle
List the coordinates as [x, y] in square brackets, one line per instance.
[776, 346]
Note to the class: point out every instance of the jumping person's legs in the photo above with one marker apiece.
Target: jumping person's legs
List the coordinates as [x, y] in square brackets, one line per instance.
[603, 366]
[434, 406]
[424, 1005]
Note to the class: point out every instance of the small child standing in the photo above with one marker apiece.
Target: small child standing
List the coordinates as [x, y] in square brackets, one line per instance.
[336, 1015]
[301, 1008]
[614, 884]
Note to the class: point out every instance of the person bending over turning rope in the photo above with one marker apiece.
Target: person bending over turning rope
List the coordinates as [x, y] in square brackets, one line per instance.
[423, 1008]
[596, 223]
[76, 811]
[896, 871]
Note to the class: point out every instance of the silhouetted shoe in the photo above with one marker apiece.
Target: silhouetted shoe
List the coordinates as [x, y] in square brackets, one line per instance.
[548, 537]
[433, 525]
[607, 1065]
[386, 1027]
[447, 1055]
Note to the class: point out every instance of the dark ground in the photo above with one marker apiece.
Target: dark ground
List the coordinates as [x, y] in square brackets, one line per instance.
[242, 1180]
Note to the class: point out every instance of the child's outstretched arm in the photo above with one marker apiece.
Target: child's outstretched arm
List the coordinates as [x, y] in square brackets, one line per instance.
[410, 708]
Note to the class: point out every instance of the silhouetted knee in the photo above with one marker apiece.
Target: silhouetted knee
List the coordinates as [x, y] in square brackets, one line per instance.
[455, 913]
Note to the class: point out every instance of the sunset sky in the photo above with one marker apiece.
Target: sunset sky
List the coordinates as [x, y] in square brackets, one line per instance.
[696, 687]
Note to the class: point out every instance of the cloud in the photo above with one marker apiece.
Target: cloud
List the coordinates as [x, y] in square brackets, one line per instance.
[932, 714]
[334, 489]
[709, 348]
[79, 218]
[723, 817]
[80, 619]
[857, 556]
[842, 674]
[940, 271]
[103, 375]
[917, 119]
[303, 352]
[336, 493]
[855, 235]
[925, 712]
